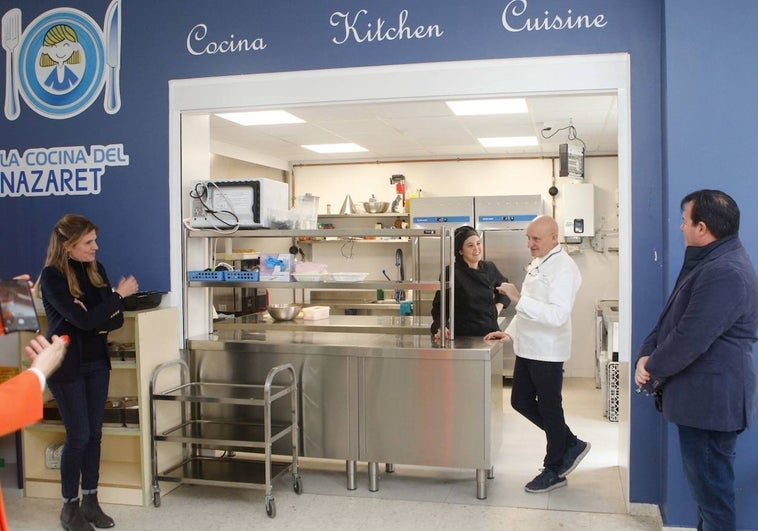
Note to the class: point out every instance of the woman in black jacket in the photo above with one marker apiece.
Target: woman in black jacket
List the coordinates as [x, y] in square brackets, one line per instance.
[80, 303]
[477, 302]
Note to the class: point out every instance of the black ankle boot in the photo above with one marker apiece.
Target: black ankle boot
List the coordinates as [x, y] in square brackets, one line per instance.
[93, 513]
[72, 518]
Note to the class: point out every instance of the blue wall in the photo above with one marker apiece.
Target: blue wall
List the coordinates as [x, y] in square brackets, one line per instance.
[132, 206]
[711, 87]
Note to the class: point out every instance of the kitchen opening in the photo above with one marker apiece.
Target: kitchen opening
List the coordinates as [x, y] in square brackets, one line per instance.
[437, 171]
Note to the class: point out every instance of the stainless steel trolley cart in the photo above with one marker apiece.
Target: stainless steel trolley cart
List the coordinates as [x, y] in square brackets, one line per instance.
[199, 435]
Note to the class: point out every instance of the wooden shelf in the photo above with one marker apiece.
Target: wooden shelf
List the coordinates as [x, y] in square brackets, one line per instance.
[125, 467]
[53, 426]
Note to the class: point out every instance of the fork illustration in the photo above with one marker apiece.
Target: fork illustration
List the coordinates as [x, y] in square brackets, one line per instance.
[11, 32]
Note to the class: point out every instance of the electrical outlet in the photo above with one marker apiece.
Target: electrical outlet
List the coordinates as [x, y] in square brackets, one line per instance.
[222, 307]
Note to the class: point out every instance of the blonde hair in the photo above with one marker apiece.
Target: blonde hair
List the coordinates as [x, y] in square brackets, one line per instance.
[69, 231]
[56, 35]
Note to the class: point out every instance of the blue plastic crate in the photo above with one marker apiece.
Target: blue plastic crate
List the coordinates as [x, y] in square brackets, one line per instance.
[205, 275]
[237, 276]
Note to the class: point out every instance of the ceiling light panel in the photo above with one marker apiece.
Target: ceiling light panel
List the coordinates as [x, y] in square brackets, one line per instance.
[261, 117]
[335, 148]
[496, 106]
[508, 141]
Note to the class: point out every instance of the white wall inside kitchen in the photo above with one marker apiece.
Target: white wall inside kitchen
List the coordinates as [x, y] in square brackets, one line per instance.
[228, 168]
[600, 270]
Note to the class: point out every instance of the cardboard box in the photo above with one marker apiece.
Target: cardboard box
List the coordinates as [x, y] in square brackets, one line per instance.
[7, 372]
[314, 313]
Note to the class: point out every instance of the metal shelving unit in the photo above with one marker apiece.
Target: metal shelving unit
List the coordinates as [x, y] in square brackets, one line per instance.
[340, 234]
[197, 435]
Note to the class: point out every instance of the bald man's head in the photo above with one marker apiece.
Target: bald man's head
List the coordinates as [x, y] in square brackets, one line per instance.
[542, 235]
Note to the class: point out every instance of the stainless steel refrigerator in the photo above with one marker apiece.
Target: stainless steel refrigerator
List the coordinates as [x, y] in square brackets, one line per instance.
[502, 221]
[428, 212]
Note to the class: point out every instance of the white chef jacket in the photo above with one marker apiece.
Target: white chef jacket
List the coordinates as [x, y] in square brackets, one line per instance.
[541, 328]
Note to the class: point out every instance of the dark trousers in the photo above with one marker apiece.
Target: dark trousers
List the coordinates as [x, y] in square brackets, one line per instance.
[708, 459]
[536, 394]
[81, 403]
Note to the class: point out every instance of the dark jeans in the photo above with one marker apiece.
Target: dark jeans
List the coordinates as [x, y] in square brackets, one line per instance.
[81, 403]
[536, 394]
[708, 459]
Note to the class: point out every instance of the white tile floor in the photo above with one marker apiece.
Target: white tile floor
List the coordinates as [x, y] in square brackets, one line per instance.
[410, 498]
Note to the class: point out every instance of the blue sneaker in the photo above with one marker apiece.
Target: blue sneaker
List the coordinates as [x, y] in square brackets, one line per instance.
[573, 457]
[546, 481]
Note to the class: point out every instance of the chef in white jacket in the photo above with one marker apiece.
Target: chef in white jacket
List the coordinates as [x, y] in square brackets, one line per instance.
[541, 335]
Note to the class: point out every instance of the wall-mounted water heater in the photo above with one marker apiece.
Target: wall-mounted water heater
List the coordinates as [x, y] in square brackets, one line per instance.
[578, 211]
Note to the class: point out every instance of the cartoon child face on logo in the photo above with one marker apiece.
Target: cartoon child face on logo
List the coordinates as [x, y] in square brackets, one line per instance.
[61, 61]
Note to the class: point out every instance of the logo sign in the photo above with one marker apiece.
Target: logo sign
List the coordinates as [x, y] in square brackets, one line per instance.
[61, 61]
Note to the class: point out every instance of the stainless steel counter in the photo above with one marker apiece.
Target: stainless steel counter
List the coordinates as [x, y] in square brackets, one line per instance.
[375, 397]
[332, 343]
[390, 324]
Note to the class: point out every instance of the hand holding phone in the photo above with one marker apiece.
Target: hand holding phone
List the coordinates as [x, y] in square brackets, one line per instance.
[17, 306]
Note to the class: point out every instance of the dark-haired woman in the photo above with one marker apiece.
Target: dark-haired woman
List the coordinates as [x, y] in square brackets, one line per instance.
[477, 301]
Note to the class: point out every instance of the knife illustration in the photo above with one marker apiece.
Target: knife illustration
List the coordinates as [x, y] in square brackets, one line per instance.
[112, 27]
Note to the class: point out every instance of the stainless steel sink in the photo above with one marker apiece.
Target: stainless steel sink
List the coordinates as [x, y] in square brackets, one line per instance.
[386, 301]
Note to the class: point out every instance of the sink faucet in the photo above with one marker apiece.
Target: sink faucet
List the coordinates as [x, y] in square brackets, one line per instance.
[399, 294]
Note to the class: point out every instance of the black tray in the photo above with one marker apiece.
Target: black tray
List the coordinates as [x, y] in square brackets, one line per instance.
[119, 411]
[143, 300]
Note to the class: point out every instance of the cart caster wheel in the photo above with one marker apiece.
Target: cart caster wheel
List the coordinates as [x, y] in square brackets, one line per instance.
[297, 485]
[270, 507]
[156, 499]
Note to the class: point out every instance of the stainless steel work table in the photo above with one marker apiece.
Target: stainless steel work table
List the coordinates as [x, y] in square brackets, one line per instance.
[395, 398]
[385, 324]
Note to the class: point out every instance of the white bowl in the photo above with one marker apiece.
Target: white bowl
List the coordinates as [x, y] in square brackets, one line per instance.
[349, 277]
[310, 277]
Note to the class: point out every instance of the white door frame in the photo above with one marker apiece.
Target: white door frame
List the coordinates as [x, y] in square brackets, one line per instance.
[524, 76]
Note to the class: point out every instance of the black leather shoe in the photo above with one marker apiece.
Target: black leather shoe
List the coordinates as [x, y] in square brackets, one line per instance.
[93, 513]
[72, 518]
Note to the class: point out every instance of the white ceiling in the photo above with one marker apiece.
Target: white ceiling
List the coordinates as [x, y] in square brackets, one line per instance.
[427, 130]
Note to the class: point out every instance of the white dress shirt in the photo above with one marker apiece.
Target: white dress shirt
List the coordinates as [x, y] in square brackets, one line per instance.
[40, 377]
[541, 328]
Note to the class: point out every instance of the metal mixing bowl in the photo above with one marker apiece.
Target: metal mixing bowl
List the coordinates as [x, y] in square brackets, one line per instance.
[283, 312]
[375, 207]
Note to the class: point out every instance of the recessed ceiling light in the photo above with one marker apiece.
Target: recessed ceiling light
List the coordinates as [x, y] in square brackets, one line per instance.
[335, 148]
[261, 117]
[498, 106]
[508, 141]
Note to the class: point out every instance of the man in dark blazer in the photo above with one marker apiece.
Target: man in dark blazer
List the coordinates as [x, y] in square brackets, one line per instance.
[699, 355]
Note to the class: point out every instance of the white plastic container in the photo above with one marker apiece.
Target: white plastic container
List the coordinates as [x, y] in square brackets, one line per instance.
[314, 313]
[306, 207]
